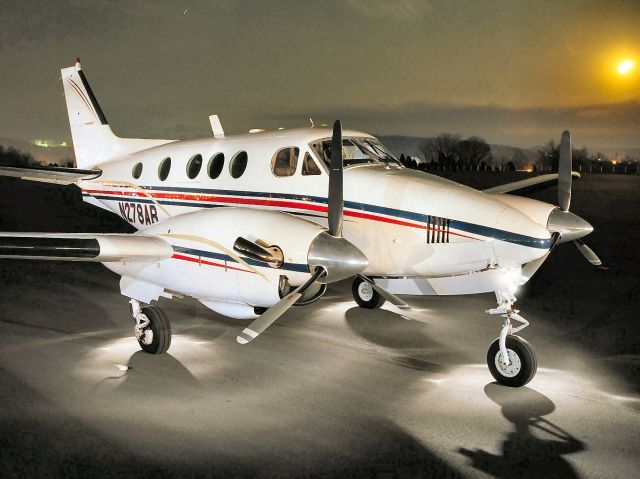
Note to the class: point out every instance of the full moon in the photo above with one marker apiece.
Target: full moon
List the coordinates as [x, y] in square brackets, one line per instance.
[625, 67]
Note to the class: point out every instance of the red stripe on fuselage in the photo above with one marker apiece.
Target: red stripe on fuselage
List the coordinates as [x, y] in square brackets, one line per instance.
[275, 203]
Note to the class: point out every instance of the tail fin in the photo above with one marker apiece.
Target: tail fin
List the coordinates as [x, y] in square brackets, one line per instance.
[93, 141]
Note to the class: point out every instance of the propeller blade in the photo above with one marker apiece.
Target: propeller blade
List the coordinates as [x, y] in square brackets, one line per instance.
[257, 252]
[392, 298]
[335, 200]
[587, 252]
[267, 318]
[564, 172]
[529, 269]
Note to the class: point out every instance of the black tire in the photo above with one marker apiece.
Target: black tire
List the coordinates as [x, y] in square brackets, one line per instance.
[367, 298]
[161, 328]
[518, 376]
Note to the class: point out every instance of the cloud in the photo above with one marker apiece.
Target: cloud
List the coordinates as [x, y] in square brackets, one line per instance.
[607, 125]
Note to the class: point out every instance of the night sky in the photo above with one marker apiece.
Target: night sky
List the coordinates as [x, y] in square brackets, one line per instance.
[515, 73]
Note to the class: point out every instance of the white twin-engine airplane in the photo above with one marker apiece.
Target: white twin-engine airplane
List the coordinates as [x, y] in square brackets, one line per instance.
[251, 225]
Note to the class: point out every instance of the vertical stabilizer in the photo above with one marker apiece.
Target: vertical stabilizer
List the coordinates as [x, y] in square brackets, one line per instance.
[93, 140]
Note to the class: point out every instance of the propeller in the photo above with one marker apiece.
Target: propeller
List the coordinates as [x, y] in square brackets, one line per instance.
[564, 225]
[564, 172]
[572, 226]
[335, 199]
[330, 256]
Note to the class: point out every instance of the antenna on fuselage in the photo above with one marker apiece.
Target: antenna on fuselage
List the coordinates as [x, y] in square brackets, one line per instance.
[216, 126]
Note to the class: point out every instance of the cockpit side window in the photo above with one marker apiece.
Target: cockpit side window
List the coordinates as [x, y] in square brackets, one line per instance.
[285, 161]
[352, 153]
[309, 166]
[356, 151]
[379, 150]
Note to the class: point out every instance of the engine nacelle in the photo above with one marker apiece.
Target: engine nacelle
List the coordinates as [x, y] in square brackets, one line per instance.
[205, 266]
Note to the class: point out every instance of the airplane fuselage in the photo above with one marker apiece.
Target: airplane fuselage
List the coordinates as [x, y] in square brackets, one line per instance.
[408, 223]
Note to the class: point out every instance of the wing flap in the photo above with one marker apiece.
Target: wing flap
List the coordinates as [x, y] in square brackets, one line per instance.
[529, 182]
[103, 248]
[50, 174]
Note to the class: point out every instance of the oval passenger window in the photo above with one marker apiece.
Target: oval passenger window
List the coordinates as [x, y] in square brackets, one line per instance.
[215, 165]
[238, 164]
[194, 166]
[164, 169]
[137, 170]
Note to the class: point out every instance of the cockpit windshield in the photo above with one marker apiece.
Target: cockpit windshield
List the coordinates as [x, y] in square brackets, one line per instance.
[357, 151]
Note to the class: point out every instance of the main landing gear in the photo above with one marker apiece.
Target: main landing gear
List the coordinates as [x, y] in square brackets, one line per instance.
[365, 295]
[511, 359]
[152, 329]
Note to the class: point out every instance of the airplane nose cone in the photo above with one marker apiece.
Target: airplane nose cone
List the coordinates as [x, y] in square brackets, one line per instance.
[340, 258]
[520, 239]
[570, 226]
[521, 229]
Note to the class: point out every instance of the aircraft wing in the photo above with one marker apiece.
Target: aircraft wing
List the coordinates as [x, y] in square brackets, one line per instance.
[102, 248]
[50, 174]
[518, 185]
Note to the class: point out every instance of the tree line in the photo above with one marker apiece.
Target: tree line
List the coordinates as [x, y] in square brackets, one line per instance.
[11, 156]
[549, 156]
[450, 152]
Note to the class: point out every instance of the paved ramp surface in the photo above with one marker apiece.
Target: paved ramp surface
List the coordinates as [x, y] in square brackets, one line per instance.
[331, 390]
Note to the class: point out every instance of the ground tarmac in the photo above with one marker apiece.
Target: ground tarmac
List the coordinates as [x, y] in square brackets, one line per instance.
[331, 390]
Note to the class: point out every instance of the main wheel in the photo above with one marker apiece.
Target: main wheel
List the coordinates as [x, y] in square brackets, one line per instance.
[365, 295]
[523, 363]
[156, 337]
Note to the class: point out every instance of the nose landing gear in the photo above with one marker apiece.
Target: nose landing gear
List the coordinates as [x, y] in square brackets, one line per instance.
[511, 359]
[152, 329]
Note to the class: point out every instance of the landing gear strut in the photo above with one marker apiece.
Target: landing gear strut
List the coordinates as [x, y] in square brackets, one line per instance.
[152, 329]
[511, 359]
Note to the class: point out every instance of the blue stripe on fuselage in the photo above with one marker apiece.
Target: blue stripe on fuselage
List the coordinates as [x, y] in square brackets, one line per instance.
[480, 230]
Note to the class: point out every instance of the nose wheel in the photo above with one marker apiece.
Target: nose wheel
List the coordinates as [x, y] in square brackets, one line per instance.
[152, 329]
[521, 366]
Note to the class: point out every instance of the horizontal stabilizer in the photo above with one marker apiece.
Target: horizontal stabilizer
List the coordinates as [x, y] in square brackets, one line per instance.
[104, 248]
[529, 182]
[50, 174]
